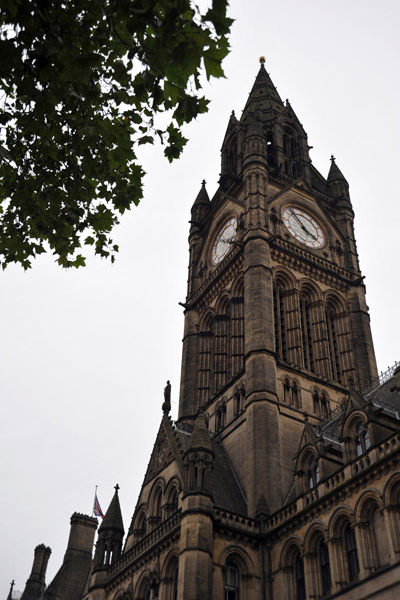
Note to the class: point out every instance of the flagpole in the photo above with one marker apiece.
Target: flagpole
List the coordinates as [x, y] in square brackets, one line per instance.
[94, 499]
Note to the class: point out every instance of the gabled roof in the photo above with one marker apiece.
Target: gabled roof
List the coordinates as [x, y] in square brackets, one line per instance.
[169, 445]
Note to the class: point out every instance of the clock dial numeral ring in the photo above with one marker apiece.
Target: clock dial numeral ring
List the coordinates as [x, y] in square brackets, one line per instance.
[303, 227]
[223, 241]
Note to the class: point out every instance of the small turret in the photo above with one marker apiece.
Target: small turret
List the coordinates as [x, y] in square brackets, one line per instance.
[200, 210]
[37, 580]
[199, 459]
[338, 186]
[71, 578]
[111, 533]
[201, 206]
[10, 593]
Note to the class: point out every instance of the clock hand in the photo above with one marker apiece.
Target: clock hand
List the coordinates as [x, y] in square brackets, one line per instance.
[314, 237]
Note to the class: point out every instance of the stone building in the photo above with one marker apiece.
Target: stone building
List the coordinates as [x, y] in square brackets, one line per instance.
[280, 480]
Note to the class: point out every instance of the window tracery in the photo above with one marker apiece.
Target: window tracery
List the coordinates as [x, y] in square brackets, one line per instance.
[321, 406]
[221, 345]
[291, 393]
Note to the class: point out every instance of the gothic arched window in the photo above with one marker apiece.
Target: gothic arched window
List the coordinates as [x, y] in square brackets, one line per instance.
[326, 581]
[280, 323]
[286, 391]
[324, 405]
[333, 343]
[140, 530]
[145, 591]
[270, 149]
[237, 334]
[231, 582]
[312, 471]
[295, 395]
[306, 333]
[351, 552]
[222, 352]
[291, 152]
[361, 438]
[206, 343]
[300, 583]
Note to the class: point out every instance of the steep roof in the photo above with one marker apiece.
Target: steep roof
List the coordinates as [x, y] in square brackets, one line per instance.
[200, 438]
[113, 516]
[335, 174]
[202, 196]
[264, 100]
[227, 492]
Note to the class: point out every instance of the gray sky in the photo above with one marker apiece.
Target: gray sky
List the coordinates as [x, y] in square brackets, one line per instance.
[84, 355]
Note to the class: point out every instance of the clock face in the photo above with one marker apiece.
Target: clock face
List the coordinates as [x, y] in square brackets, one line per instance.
[303, 227]
[222, 243]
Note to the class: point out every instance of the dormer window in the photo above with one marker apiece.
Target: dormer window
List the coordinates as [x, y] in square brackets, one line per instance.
[361, 438]
[312, 472]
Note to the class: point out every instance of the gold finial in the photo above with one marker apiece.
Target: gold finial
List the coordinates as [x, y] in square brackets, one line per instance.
[262, 60]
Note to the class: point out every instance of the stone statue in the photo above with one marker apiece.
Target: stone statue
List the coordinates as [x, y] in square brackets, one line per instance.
[166, 407]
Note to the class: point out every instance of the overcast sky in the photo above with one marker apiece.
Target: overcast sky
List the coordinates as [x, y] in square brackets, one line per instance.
[84, 355]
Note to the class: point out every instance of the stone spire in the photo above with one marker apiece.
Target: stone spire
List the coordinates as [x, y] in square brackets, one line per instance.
[9, 597]
[200, 439]
[201, 205]
[337, 184]
[263, 100]
[113, 517]
[199, 460]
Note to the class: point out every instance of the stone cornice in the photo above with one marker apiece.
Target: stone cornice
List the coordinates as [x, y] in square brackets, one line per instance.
[343, 483]
[218, 279]
[313, 266]
[162, 535]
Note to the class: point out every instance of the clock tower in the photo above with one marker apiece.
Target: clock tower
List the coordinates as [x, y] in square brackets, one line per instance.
[276, 322]
[280, 480]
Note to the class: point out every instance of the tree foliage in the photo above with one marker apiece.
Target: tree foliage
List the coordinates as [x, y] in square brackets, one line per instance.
[82, 82]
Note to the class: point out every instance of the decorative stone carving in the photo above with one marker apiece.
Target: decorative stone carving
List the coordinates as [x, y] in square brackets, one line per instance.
[161, 456]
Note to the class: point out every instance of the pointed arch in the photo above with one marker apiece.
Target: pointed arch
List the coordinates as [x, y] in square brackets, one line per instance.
[339, 338]
[169, 575]
[291, 561]
[140, 522]
[222, 342]
[375, 551]
[237, 326]
[318, 558]
[345, 548]
[317, 529]
[172, 495]
[206, 357]
[237, 288]
[307, 468]
[142, 588]
[283, 283]
[284, 278]
[391, 498]
[308, 297]
[356, 434]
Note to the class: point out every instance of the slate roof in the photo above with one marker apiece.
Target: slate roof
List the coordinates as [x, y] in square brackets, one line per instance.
[228, 494]
[113, 516]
